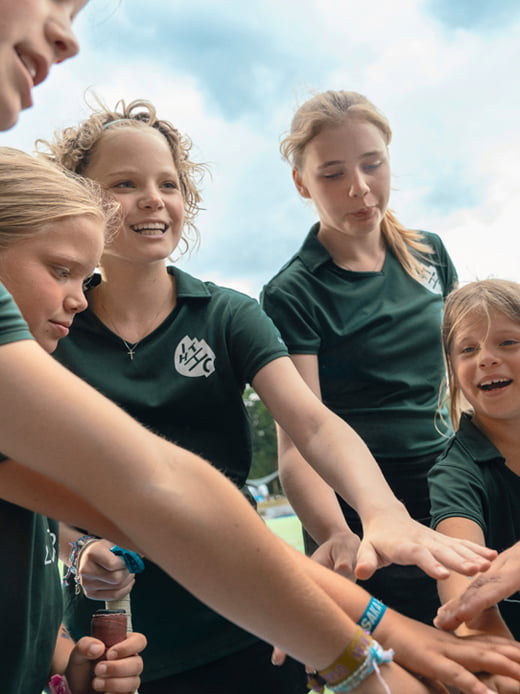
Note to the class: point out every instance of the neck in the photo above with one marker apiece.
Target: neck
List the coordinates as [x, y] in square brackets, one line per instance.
[131, 301]
[503, 434]
[366, 254]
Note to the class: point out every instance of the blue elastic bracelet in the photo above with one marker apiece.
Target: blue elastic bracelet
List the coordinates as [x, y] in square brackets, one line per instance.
[133, 561]
[372, 615]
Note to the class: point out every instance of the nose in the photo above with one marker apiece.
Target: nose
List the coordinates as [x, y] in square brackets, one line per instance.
[75, 301]
[488, 357]
[151, 200]
[62, 39]
[358, 185]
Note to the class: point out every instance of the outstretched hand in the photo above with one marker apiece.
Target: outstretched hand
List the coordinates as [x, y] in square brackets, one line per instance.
[402, 540]
[448, 658]
[339, 553]
[498, 582]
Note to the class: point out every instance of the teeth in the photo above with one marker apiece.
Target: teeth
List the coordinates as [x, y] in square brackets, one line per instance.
[490, 385]
[29, 64]
[151, 227]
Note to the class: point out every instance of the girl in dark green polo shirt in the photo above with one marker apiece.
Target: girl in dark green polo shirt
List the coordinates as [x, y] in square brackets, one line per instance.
[359, 307]
[475, 486]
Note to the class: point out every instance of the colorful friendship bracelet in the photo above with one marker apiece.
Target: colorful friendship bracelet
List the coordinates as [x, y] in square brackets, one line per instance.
[345, 664]
[372, 615]
[376, 656]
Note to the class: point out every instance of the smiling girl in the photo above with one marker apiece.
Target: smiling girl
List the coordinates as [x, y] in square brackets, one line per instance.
[475, 486]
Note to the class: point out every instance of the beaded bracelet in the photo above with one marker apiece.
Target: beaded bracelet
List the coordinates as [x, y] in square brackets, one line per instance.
[372, 615]
[72, 569]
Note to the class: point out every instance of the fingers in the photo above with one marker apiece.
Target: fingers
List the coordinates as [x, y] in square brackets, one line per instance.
[367, 561]
[278, 656]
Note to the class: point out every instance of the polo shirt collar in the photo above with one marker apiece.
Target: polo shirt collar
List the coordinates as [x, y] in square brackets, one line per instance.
[313, 254]
[478, 446]
[188, 287]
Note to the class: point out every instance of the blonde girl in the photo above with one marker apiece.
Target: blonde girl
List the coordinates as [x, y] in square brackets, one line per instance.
[475, 486]
[52, 232]
[359, 307]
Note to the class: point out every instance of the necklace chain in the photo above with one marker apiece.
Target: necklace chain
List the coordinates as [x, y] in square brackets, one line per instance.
[132, 346]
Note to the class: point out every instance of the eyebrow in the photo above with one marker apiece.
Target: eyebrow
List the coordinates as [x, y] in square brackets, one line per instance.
[336, 162]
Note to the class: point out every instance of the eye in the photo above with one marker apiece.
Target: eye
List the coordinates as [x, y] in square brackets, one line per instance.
[337, 174]
[372, 167]
[172, 185]
[509, 343]
[62, 273]
[468, 349]
[123, 185]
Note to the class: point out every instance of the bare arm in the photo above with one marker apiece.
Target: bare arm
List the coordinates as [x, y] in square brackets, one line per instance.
[343, 460]
[452, 587]
[168, 501]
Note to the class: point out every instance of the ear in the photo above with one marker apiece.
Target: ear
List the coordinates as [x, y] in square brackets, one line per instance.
[298, 182]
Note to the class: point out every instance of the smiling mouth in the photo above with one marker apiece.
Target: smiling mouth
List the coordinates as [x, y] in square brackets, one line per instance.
[495, 385]
[150, 228]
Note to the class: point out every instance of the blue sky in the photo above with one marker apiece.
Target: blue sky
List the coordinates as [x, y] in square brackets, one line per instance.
[229, 74]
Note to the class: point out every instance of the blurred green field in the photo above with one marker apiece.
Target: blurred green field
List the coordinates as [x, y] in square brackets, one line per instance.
[288, 528]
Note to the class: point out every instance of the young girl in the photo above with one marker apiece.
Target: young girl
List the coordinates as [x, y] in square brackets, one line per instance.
[34, 34]
[475, 486]
[176, 353]
[359, 308]
[51, 236]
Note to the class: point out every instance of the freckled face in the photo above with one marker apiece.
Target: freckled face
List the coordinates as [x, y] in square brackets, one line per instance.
[34, 34]
[137, 167]
[485, 359]
[45, 275]
[346, 174]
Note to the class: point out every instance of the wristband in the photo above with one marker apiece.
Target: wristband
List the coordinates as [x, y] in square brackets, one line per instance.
[345, 664]
[58, 685]
[372, 615]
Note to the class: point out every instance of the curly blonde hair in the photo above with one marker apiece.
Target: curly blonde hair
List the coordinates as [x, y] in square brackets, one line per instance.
[474, 301]
[327, 110]
[35, 193]
[72, 147]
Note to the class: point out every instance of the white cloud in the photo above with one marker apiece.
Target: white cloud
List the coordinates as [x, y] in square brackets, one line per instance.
[452, 98]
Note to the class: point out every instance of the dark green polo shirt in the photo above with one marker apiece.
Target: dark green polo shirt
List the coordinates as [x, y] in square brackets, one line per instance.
[377, 339]
[29, 580]
[471, 480]
[185, 382]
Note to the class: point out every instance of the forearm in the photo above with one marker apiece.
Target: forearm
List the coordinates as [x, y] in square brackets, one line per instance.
[313, 500]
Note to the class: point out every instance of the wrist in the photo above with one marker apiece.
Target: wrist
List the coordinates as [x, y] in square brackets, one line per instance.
[77, 547]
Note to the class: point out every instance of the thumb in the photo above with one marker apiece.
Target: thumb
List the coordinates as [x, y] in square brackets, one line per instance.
[367, 561]
[86, 650]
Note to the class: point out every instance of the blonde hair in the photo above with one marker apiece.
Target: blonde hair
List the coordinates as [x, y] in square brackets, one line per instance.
[73, 148]
[327, 110]
[35, 193]
[474, 301]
